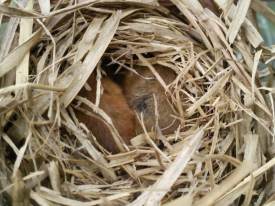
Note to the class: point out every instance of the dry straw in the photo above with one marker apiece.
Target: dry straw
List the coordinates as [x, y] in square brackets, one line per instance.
[222, 154]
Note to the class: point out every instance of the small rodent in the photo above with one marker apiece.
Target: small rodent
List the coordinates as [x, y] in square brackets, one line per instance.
[137, 94]
[139, 91]
[113, 102]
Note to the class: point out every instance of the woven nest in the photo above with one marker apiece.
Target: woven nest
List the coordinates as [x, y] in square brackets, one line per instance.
[219, 154]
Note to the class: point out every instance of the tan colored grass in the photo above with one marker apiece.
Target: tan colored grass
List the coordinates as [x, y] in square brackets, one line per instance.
[222, 149]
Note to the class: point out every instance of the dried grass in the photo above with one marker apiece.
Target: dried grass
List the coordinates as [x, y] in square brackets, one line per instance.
[220, 155]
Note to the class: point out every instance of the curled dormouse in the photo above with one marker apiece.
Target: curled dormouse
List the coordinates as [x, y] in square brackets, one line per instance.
[138, 94]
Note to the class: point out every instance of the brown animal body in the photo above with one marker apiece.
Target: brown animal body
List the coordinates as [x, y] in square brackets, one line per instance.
[140, 92]
[113, 102]
[138, 96]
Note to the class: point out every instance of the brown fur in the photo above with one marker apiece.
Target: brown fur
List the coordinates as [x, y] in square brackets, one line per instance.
[115, 105]
[139, 94]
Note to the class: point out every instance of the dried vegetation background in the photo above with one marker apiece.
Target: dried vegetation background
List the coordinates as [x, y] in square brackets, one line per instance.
[222, 154]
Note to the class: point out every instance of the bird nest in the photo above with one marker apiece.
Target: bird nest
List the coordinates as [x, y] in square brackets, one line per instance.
[221, 150]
